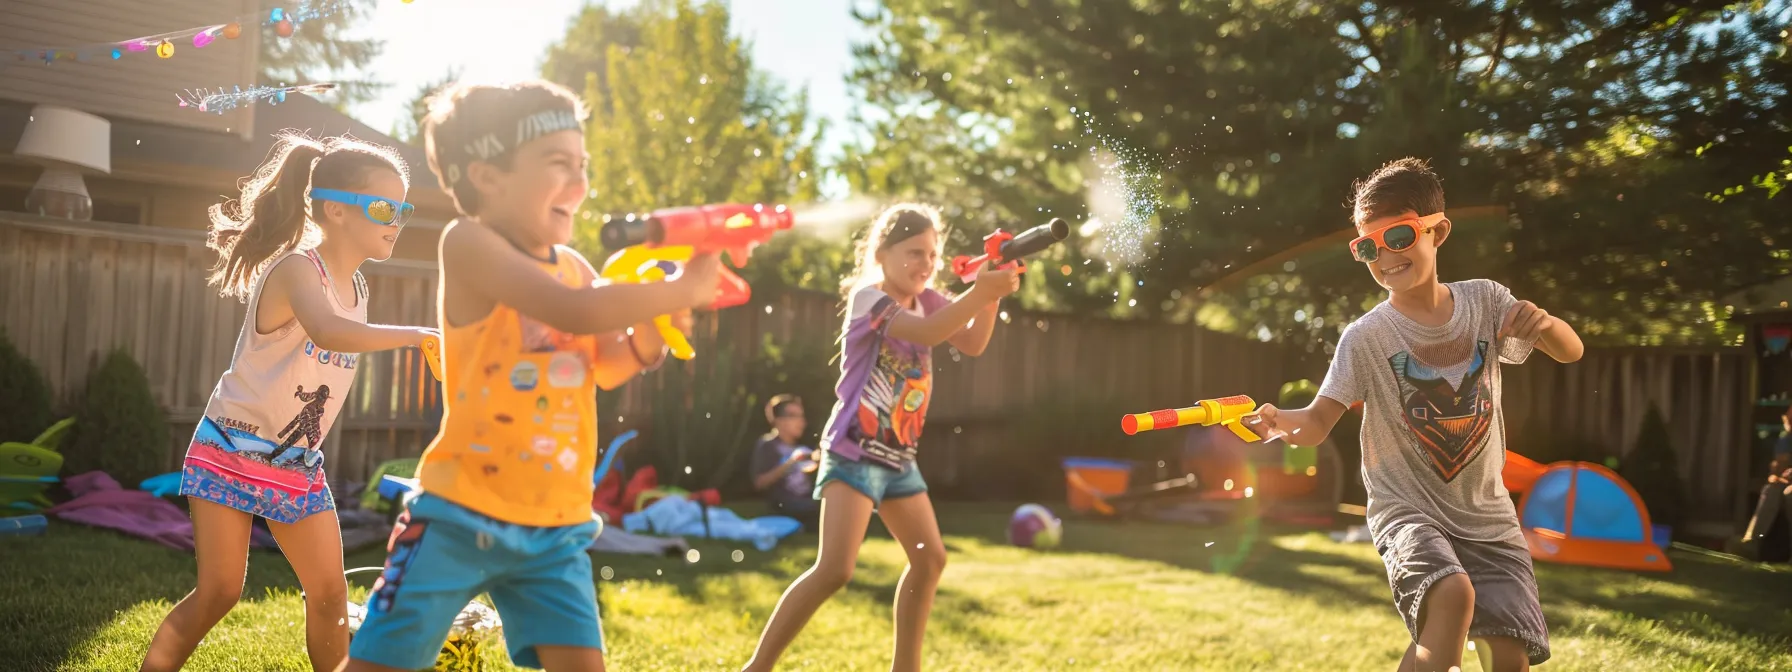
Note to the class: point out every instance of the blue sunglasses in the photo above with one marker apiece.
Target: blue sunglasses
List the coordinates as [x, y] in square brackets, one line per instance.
[381, 210]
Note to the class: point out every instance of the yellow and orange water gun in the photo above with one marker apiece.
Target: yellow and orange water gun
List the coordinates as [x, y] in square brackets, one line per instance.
[432, 354]
[649, 248]
[1228, 412]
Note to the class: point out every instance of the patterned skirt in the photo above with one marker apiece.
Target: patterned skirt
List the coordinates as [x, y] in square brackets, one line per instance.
[283, 485]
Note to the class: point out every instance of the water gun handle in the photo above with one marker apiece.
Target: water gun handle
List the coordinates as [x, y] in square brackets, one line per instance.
[679, 346]
[1227, 412]
[967, 268]
[432, 354]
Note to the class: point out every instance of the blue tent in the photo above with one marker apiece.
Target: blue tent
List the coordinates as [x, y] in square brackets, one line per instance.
[1582, 513]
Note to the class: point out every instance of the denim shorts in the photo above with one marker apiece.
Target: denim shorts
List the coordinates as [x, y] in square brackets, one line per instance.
[1506, 605]
[872, 480]
[442, 555]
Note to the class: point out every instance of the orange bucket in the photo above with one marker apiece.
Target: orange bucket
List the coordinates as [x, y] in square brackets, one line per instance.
[1106, 477]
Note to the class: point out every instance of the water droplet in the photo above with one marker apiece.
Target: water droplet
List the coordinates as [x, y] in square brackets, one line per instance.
[1247, 492]
[1208, 544]
[607, 573]
[692, 556]
[920, 546]
[659, 572]
[687, 470]
[737, 555]
[1228, 484]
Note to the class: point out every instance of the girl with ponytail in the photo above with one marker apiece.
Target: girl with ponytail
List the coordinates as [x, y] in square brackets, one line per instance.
[291, 247]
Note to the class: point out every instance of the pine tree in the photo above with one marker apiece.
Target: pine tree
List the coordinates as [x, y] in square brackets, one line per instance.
[1652, 468]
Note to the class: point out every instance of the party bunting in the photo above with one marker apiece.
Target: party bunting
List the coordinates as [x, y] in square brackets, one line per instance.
[220, 100]
[284, 20]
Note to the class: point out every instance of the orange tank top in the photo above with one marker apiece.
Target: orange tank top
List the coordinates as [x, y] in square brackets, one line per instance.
[519, 425]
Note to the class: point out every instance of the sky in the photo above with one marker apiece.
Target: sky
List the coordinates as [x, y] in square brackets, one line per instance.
[800, 42]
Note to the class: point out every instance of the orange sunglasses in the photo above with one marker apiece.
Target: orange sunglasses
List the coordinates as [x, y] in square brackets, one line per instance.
[1397, 237]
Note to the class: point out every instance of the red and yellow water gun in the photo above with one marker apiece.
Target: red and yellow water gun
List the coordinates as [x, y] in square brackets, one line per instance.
[1228, 412]
[1004, 250]
[651, 247]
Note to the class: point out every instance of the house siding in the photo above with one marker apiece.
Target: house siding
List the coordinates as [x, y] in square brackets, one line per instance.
[139, 86]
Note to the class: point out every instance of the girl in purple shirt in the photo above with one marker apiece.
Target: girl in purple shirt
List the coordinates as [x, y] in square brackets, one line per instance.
[893, 319]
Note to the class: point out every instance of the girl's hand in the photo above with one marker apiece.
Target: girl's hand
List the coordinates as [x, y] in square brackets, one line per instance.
[992, 285]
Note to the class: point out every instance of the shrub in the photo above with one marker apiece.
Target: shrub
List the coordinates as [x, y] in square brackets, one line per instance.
[120, 429]
[1653, 470]
[23, 393]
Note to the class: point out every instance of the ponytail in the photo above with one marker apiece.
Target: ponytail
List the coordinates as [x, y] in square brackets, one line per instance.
[272, 216]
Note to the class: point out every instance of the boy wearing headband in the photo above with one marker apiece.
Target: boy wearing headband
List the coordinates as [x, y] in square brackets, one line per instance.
[1426, 364]
[527, 337]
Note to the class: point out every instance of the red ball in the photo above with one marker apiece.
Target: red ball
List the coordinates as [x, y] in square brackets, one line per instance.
[283, 28]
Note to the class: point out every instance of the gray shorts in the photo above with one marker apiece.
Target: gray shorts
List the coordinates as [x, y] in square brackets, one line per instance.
[1418, 554]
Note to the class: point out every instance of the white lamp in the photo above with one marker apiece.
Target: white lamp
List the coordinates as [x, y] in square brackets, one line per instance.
[65, 141]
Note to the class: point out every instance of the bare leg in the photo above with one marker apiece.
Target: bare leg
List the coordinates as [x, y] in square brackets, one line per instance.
[844, 514]
[352, 665]
[1503, 654]
[221, 540]
[911, 520]
[314, 547]
[1443, 624]
[570, 659]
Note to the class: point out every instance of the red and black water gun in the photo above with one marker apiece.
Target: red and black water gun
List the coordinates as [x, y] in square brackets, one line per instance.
[1003, 250]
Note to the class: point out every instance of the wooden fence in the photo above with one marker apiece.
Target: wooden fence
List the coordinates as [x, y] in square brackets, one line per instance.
[70, 292]
[1601, 401]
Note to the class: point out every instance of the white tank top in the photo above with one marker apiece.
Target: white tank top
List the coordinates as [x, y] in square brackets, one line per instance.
[281, 388]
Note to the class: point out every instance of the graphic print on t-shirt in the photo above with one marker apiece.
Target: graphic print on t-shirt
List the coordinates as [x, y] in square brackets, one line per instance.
[1449, 421]
[894, 405]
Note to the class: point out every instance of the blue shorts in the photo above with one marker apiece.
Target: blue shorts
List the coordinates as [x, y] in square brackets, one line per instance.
[871, 479]
[442, 555]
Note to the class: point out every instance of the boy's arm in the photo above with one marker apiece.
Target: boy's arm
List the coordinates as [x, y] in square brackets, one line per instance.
[1342, 386]
[1525, 321]
[485, 263]
[619, 359]
[1308, 426]
[974, 339]
[295, 287]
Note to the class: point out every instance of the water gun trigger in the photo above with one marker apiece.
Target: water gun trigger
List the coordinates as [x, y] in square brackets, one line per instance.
[1238, 428]
[676, 343]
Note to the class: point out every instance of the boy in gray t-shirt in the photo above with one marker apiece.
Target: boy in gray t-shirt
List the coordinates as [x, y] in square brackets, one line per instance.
[1426, 365]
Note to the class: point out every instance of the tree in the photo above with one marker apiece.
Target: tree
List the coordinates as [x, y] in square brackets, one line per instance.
[686, 119]
[320, 50]
[597, 28]
[1654, 471]
[1231, 131]
[410, 128]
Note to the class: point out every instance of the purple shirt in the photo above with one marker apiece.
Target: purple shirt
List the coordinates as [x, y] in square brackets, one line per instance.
[885, 383]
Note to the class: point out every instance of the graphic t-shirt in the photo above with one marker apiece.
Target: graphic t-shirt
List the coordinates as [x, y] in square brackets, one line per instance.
[885, 383]
[259, 447]
[1434, 436]
[519, 426]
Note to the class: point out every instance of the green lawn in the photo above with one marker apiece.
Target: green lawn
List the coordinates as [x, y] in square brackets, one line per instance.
[1117, 597]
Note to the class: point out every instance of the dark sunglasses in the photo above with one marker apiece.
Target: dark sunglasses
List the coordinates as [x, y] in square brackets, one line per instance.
[1397, 237]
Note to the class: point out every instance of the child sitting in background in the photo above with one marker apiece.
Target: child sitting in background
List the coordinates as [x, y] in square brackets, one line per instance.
[783, 469]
